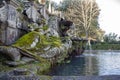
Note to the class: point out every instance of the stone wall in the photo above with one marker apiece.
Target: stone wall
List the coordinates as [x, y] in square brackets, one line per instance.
[14, 24]
[10, 24]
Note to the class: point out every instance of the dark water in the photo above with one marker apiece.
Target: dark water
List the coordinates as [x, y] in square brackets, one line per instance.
[95, 63]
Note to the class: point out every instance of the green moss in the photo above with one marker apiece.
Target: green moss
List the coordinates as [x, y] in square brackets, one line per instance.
[4, 68]
[55, 41]
[37, 1]
[44, 67]
[62, 57]
[32, 26]
[39, 68]
[19, 9]
[25, 42]
[45, 27]
[43, 21]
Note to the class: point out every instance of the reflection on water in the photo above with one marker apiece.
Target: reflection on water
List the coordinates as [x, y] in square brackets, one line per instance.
[96, 63]
[109, 63]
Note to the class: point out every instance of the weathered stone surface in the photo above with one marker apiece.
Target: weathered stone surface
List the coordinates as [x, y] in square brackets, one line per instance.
[11, 52]
[47, 48]
[14, 63]
[19, 74]
[3, 13]
[72, 32]
[68, 44]
[51, 53]
[106, 77]
[52, 32]
[20, 71]
[32, 10]
[11, 25]
[43, 43]
[24, 60]
[35, 42]
[27, 59]
[53, 23]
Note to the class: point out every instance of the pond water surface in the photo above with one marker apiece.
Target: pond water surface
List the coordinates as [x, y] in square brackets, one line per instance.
[94, 63]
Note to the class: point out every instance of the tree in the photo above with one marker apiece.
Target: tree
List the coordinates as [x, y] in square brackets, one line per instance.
[64, 5]
[110, 38]
[82, 13]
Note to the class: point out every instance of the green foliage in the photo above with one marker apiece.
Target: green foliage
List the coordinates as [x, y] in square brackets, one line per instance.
[94, 28]
[62, 57]
[26, 40]
[19, 9]
[106, 46]
[54, 41]
[45, 27]
[79, 44]
[39, 68]
[32, 26]
[37, 1]
[44, 67]
[3, 68]
[87, 23]
[64, 5]
[110, 38]
[43, 21]
[47, 3]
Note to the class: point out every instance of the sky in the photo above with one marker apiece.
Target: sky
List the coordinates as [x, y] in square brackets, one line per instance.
[109, 18]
